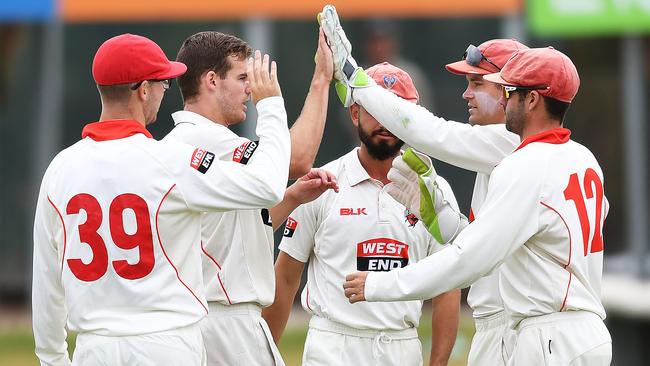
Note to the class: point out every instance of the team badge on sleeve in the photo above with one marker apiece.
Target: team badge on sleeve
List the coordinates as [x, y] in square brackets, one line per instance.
[244, 152]
[201, 160]
[290, 227]
[382, 255]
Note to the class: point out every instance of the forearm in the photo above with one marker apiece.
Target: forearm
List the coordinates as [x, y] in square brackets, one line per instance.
[282, 210]
[307, 131]
[476, 148]
[287, 275]
[444, 326]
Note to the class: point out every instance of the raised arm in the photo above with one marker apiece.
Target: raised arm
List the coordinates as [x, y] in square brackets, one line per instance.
[307, 130]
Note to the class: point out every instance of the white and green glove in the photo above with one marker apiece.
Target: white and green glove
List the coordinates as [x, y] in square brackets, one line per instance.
[414, 185]
[347, 73]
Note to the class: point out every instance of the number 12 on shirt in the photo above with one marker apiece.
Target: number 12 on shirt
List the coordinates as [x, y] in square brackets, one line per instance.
[593, 188]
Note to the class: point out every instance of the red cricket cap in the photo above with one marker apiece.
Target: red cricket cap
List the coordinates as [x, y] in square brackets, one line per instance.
[498, 51]
[130, 58]
[394, 79]
[541, 67]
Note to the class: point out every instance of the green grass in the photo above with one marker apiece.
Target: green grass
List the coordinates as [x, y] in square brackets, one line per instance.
[17, 344]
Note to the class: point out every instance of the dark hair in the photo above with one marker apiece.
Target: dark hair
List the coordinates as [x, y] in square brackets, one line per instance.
[207, 51]
[555, 108]
[115, 93]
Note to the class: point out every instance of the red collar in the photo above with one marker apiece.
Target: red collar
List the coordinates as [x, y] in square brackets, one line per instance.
[555, 136]
[113, 130]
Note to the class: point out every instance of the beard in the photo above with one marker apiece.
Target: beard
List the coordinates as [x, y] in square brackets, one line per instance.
[381, 150]
[515, 118]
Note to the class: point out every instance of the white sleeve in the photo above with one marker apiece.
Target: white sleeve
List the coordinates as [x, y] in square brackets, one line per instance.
[507, 220]
[224, 185]
[49, 313]
[298, 238]
[476, 148]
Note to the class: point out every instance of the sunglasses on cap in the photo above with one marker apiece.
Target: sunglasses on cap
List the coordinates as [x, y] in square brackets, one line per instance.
[473, 56]
[507, 89]
[165, 83]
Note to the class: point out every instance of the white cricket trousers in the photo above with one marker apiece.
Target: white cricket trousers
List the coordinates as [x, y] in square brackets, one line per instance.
[576, 338]
[492, 342]
[176, 347]
[238, 335]
[335, 344]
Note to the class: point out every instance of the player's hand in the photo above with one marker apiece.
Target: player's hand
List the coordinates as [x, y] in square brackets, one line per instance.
[354, 286]
[346, 71]
[264, 84]
[311, 185]
[413, 184]
[324, 63]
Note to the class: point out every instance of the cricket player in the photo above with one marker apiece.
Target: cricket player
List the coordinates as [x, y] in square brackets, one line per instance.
[477, 146]
[117, 226]
[238, 246]
[361, 228]
[541, 219]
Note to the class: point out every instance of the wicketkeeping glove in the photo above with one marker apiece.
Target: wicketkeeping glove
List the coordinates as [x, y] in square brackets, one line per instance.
[414, 185]
[347, 73]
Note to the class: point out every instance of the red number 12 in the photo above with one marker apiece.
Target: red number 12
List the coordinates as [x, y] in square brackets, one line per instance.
[573, 192]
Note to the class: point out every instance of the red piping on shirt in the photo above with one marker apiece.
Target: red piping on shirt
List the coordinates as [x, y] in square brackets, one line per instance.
[554, 136]
[165, 253]
[471, 215]
[570, 251]
[64, 234]
[307, 301]
[218, 277]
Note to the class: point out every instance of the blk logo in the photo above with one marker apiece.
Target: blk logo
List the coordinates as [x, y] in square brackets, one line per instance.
[353, 211]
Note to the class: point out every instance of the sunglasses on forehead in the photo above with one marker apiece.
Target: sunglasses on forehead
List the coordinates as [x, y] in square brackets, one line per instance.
[507, 89]
[473, 56]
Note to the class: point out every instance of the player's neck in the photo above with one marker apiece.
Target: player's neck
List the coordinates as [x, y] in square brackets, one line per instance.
[206, 110]
[111, 113]
[376, 169]
[537, 126]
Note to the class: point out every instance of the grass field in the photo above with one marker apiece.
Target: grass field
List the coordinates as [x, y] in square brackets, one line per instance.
[17, 341]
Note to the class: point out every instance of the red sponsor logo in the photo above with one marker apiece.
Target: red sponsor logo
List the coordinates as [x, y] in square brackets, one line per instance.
[384, 247]
[290, 227]
[239, 152]
[197, 157]
[353, 211]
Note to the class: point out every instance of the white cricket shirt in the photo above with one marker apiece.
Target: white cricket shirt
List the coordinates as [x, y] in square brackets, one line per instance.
[542, 218]
[476, 148]
[117, 228]
[359, 228]
[237, 245]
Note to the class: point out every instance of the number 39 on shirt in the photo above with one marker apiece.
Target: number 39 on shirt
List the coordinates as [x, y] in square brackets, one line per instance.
[142, 238]
[592, 187]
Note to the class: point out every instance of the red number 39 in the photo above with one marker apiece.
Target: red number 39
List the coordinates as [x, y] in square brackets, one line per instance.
[141, 239]
[573, 192]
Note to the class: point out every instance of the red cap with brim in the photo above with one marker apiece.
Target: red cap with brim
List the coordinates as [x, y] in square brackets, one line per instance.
[394, 79]
[541, 67]
[130, 58]
[498, 51]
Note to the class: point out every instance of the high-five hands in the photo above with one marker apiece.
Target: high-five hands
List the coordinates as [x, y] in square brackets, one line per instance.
[263, 84]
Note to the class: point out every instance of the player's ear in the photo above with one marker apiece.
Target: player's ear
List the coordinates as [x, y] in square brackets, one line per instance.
[534, 100]
[209, 80]
[354, 113]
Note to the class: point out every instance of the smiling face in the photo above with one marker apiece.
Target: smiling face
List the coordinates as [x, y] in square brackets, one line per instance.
[482, 99]
[233, 92]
